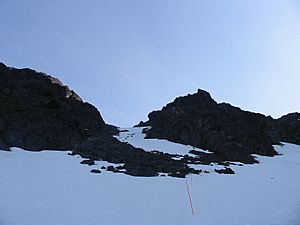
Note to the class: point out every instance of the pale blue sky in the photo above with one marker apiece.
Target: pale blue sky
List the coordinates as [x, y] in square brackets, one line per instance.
[129, 57]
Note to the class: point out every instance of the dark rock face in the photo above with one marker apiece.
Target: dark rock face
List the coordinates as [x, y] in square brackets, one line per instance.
[289, 128]
[3, 146]
[231, 133]
[37, 112]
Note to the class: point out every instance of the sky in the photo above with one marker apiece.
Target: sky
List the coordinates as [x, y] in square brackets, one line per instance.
[130, 57]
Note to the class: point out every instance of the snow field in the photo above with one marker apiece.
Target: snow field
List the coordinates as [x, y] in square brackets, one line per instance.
[53, 188]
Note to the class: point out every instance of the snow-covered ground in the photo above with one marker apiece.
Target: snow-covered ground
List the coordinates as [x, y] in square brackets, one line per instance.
[53, 188]
[135, 137]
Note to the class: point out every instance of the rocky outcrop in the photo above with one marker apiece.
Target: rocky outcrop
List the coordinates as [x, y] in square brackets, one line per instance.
[289, 128]
[37, 112]
[231, 133]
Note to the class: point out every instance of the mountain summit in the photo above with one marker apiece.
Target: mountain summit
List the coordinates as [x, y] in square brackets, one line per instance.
[231, 133]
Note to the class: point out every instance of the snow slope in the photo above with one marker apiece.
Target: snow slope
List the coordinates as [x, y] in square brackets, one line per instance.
[135, 137]
[53, 188]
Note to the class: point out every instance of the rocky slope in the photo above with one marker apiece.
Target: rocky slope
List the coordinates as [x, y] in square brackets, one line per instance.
[37, 112]
[289, 128]
[229, 132]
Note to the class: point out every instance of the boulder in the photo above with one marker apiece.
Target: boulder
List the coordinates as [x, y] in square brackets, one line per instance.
[89, 162]
[226, 170]
[95, 171]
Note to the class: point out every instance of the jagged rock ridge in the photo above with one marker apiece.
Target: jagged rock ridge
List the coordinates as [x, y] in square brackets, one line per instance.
[231, 133]
[37, 112]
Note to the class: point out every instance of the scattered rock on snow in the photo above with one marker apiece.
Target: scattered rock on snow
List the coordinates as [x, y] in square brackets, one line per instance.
[95, 171]
[225, 171]
[89, 162]
[111, 168]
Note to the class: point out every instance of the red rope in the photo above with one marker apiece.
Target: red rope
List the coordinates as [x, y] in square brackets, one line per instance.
[190, 199]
